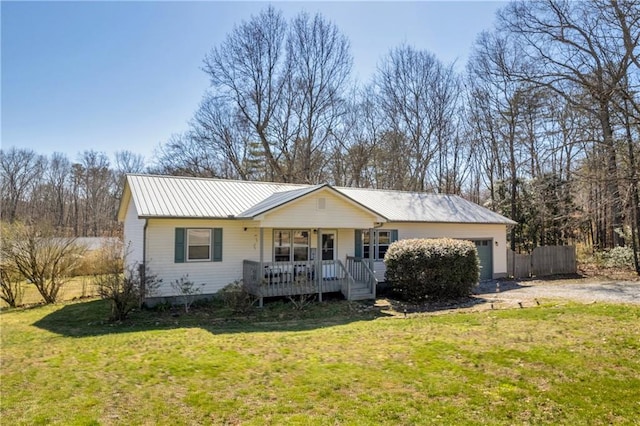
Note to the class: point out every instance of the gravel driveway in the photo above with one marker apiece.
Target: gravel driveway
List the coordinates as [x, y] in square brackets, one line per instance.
[583, 290]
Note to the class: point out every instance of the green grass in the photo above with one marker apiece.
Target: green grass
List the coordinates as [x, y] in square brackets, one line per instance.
[76, 288]
[333, 363]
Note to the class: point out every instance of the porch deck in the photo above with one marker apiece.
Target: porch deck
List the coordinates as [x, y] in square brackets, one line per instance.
[271, 279]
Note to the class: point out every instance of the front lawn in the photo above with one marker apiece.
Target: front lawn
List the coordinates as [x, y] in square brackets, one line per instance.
[336, 363]
[79, 287]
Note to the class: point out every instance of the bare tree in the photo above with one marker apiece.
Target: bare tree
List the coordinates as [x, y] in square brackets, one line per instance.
[185, 155]
[57, 174]
[96, 185]
[415, 93]
[41, 256]
[246, 69]
[223, 139]
[125, 162]
[20, 170]
[318, 64]
[275, 99]
[570, 49]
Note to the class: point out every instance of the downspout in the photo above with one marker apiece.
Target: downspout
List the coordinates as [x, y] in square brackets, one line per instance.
[144, 242]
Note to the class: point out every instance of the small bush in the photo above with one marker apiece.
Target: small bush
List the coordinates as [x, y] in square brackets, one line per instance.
[236, 297]
[124, 288]
[11, 290]
[618, 257]
[187, 291]
[435, 268]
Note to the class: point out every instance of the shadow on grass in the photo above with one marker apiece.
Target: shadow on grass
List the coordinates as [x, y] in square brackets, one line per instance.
[90, 318]
[401, 307]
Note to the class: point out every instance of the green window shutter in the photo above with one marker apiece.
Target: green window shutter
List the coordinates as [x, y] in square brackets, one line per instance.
[217, 244]
[358, 243]
[394, 236]
[179, 245]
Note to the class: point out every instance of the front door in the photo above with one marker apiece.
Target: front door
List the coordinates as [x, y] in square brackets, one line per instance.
[328, 252]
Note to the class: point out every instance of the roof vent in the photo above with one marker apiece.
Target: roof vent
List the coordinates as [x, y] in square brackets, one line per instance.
[322, 203]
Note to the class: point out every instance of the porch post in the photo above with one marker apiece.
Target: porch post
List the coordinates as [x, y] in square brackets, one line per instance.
[261, 270]
[319, 263]
[372, 246]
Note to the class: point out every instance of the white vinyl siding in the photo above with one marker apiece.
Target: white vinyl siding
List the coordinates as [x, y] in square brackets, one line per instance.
[133, 230]
[304, 213]
[238, 244]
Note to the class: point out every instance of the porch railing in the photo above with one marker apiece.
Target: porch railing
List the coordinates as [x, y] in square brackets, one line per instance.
[362, 271]
[293, 278]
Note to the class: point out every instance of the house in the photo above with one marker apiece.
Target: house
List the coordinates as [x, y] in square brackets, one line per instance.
[286, 239]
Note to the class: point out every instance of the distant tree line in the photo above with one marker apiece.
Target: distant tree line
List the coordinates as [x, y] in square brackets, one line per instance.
[542, 126]
[75, 198]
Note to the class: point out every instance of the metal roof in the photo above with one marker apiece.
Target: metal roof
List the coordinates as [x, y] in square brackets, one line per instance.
[172, 196]
[400, 206]
[187, 197]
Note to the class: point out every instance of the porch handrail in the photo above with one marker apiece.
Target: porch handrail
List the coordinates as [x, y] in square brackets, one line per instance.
[349, 281]
[360, 269]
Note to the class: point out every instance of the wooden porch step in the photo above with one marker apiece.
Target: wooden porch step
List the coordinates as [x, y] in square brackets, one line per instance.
[361, 296]
[360, 291]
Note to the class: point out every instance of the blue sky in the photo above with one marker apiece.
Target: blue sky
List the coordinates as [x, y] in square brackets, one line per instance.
[112, 76]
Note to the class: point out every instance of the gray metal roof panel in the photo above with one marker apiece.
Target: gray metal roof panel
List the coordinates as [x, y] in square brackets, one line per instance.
[172, 196]
[187, 197]
[400, 206]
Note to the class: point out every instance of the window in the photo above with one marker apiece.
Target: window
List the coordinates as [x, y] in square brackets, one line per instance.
[198, 245]
[281, 246]
[290, 245]
[384, 239]
[381, 240]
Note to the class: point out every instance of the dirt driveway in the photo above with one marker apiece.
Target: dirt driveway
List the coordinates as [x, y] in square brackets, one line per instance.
[581, 289]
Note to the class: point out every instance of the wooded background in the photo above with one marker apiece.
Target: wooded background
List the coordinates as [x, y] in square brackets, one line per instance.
[541, 126]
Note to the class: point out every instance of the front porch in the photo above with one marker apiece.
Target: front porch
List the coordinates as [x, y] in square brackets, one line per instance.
[355, 281]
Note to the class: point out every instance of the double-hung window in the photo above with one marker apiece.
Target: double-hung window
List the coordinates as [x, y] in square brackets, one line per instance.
[290, 245]
[378, 242]
[198, 245]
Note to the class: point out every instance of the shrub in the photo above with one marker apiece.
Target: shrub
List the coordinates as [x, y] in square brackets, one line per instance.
[123, 288]
[187, 290]
[236, 297]
[436, 268]
[618, 257]
[44, 258]
[11, 290]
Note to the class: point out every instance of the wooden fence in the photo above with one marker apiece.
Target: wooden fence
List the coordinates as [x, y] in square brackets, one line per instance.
[544, 261]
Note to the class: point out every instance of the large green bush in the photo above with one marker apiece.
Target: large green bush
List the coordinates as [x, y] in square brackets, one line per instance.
[432, 268]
